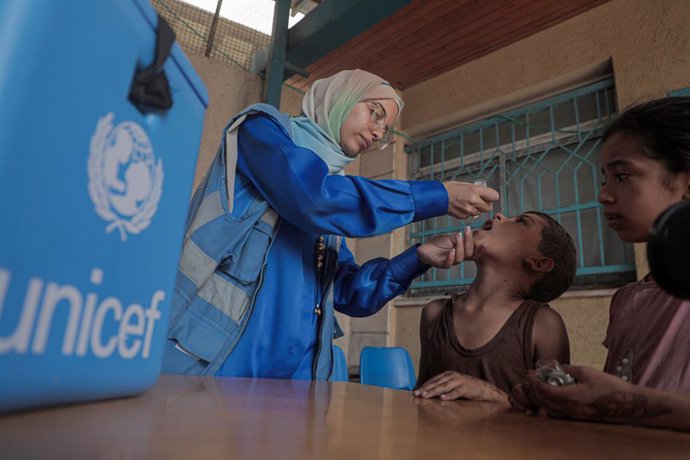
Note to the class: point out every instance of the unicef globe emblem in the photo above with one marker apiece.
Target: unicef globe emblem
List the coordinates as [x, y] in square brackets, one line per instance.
[125, 180]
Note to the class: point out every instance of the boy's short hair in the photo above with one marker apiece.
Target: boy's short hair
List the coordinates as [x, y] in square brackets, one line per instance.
[557, 245]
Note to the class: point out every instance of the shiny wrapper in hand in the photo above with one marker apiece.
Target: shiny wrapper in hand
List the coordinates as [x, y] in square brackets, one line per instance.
[551, 372]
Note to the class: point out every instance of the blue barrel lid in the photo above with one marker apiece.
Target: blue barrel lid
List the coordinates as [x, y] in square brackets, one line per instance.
[176, 53]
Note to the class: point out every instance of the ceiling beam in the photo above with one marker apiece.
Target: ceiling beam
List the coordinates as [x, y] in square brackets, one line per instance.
[328, 26]
[333, 23]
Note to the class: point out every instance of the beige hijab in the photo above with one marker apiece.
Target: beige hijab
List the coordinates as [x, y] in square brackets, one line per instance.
[329, 101]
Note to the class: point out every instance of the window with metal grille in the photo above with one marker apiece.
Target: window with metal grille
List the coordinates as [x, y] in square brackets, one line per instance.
[544, 157]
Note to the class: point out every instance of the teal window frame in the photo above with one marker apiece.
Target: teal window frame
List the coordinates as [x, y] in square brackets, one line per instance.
[680, 92]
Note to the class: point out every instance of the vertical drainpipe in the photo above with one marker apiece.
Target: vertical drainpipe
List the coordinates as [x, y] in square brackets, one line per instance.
[276, 59]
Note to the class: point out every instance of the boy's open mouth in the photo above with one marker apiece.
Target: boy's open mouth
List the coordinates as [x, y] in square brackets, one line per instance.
[488, 225]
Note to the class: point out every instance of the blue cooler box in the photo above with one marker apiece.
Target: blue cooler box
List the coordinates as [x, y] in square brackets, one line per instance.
[93, 199]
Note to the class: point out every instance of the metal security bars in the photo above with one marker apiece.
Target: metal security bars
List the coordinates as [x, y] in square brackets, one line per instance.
[543, 157]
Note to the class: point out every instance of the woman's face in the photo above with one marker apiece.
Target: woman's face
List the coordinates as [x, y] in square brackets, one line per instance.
[635, 188]
[359, 133]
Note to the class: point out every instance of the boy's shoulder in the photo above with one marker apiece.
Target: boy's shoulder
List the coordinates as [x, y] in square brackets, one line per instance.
[434, 308]
[542, 318]
[549, 335]
[546, 317]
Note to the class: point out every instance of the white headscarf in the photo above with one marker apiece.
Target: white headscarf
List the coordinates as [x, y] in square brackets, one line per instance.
[329, 101]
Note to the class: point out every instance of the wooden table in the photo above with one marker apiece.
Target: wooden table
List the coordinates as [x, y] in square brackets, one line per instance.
[208, 418]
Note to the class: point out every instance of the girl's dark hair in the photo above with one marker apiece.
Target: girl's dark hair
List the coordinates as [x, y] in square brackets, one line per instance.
[661, 127]
[558, 245]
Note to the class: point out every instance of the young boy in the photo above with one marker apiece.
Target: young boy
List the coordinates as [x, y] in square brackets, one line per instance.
[480, 344]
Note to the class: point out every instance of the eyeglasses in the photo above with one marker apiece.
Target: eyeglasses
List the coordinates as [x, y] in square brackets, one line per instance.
[378, 122]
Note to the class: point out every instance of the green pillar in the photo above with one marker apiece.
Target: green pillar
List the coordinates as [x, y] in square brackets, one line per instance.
[273, 82]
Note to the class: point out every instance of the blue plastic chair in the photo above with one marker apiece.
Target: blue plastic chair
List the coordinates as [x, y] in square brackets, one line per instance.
[340, 373]
[389, 367]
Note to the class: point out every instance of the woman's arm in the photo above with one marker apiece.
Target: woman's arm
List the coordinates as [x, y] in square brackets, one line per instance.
[362, 290]
[295, 182]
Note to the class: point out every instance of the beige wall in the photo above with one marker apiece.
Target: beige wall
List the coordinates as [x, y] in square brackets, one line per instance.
[230, 89]
[647, 43]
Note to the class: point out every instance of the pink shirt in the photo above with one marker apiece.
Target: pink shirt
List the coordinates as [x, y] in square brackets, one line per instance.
[648, 337]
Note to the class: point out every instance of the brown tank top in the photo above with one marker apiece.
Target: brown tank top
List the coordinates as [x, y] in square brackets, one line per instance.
[503, 361]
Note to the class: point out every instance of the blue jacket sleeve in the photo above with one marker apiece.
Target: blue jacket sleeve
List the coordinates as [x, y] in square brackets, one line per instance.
[363, 290]
[295, 182]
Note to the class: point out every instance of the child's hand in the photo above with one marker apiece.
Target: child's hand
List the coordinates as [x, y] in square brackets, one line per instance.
[521, 399]
[453, 385]
[444, 251]
[595, 396]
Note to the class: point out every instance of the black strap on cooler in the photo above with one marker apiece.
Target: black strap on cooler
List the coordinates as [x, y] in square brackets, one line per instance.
[150, 90]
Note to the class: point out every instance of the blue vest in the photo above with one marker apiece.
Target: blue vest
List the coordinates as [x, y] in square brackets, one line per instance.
[222, 265]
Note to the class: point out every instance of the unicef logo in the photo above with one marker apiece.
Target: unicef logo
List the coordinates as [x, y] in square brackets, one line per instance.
[125, 180]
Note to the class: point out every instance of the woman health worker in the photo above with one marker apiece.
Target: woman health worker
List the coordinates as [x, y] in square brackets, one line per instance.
[264, 262]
